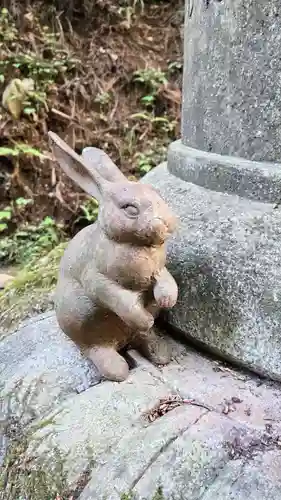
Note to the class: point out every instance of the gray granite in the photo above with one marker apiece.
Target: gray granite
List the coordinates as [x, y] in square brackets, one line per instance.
[232, 92]
[38, 356]
[223, 180]
[226, 258]
[222, 441]
[258, 181]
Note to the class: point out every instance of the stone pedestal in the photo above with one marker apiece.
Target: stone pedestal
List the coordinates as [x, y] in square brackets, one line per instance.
[223, 179]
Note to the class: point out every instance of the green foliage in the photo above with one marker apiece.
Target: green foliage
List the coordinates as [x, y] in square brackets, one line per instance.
[103, 98]
[162, 123]
[174, 67]
[89, 212]
[150, 158]
[5, 216]
[44, 64]
[159, 495]
[129, 8]
[151, 79]
[42, 482]
[30, 241]
[22, 478]
[20, 149]
[8, 31]
[29, 291]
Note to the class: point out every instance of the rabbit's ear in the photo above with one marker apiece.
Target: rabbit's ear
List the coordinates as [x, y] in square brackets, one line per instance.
[75, 167]
[96, 158]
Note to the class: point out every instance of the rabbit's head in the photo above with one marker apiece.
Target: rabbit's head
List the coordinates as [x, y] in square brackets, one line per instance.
[130, 212]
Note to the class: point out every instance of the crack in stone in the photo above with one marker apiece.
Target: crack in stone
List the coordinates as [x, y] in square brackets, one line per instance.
[163, 449]
[219, 472]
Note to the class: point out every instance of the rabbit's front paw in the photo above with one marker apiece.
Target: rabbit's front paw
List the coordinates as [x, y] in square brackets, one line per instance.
[165, 299]
[165, 290]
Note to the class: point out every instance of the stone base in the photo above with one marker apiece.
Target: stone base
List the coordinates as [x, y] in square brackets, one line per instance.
[222, 442]
[226, 255]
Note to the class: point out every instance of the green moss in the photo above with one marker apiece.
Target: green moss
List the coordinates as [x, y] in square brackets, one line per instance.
[29, 292]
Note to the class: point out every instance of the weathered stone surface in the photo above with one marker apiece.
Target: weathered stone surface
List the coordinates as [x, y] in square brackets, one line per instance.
[232, 95]
[226, 259]
[224, 186]
[223, 441]
[40, 357]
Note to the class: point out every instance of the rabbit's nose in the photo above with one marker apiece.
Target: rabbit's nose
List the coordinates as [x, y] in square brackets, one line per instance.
[164, 226]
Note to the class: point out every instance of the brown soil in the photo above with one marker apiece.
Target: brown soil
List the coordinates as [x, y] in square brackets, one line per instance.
[91, 103]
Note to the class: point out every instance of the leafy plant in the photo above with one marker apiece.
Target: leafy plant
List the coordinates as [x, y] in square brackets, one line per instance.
[44, 65]
[161, 122]
[8, 31]
[23, 202]
[152, 79]
[129, 10]
[5, 215]
[29, 241]
[29, 291]
[174, 66]
[89, 212]
[103, 98]
[150, 158]
[19, 149]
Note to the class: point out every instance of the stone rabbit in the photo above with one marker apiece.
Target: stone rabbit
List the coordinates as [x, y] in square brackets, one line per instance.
[112, 279]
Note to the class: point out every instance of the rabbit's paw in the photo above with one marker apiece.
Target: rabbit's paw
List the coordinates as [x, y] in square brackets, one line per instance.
[165, 290]
[109, 363]
[154, 348]
[165, 298]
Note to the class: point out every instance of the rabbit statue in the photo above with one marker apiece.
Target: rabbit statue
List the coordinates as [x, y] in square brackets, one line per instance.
[112, 280]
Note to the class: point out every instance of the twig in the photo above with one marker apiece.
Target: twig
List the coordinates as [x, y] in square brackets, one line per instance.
[61, 114]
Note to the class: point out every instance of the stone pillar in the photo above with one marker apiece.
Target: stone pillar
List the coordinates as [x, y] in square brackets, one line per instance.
[232, 78]
[223, 179]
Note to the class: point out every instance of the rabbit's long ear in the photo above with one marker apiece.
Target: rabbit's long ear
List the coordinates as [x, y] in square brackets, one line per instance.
[96, 158]
[76, 168]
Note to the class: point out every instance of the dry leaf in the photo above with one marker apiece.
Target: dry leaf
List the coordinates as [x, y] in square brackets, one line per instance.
[15, 95]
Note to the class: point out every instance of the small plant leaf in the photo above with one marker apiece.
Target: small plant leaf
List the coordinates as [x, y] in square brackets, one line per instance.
[5, 215]
[8, 152]
[22, 202]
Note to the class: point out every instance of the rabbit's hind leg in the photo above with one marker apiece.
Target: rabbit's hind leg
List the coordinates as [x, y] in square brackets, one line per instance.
[86, 324]
[74, 311]
[109, 363]
[153, 347]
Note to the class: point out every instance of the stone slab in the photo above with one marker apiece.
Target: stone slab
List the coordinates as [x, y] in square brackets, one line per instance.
[187, 452]
[38, 358]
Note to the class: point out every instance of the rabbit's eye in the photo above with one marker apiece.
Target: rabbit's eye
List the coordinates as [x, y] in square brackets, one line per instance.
[131, 210]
